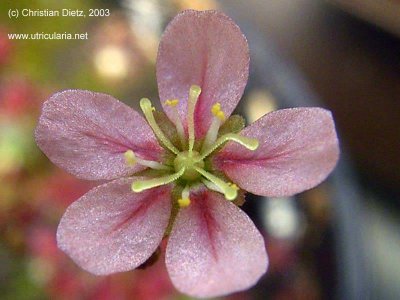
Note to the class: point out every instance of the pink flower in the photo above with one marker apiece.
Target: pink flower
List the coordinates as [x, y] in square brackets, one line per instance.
[178, 176]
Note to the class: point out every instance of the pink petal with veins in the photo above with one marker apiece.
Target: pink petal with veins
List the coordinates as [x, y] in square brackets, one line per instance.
[87, 133]
[214, 248]
[208, 49]
[111, 229]
[298, 149]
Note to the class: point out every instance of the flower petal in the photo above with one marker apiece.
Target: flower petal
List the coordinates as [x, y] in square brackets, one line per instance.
[214, 248]
[298, 149]
[208, 49]
[87, 133]
[112, 229]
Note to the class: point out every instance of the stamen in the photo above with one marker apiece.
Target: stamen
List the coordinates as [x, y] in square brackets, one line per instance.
[148, 109]
[212, 133]
[249, 143]
[185, 200]
[131, 159]
[141, 185]
[178, 124]
[217, 112]
[194, 94]
[229, 191]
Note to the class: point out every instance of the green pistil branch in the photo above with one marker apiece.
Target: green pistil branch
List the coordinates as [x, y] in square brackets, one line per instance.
[229, 190]
[141, 185]
[147, 109]
[249, 143]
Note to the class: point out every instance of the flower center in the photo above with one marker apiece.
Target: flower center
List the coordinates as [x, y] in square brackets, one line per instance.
[188, 164]
[189, 161]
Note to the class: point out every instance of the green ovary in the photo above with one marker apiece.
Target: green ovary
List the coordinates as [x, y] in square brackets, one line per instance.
[189, 161]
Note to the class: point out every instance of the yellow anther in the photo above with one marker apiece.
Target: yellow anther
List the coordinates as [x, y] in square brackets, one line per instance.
[184, 202]
[216, 108]
[234, 186]
[216, 111]
[172, 103]
[220, 115]
[130, 158]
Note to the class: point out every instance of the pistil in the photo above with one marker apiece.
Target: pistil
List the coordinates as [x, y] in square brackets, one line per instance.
[189, 165]
[249, 143]
[229, 191]
[141, 185]
[148, 109]
[211, 186]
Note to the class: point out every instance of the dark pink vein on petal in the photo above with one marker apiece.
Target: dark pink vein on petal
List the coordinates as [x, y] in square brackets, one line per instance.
[209, 225]
[139, 212]
[229, 158]
[145, 151]
[255, 161]
[200, 103]
[119, 147]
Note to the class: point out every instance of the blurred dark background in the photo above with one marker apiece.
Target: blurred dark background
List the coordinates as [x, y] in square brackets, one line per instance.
[339, 240]
[349, 53]
[353, 66]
